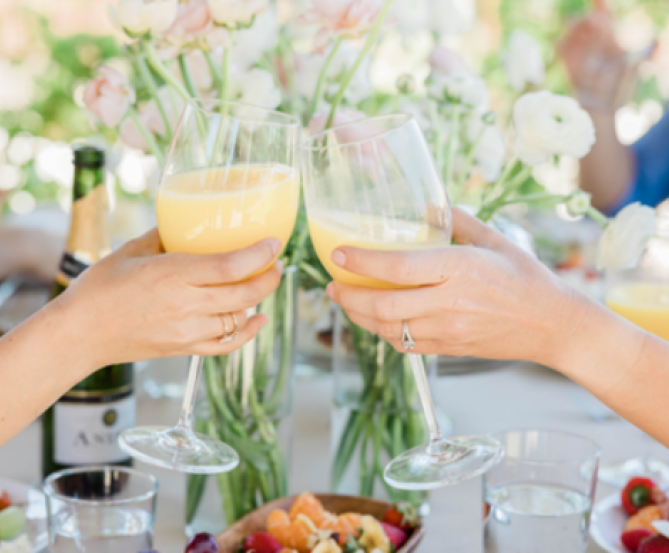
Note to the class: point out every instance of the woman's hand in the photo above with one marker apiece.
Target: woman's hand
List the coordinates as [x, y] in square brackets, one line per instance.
[488, 298]
[139, 303]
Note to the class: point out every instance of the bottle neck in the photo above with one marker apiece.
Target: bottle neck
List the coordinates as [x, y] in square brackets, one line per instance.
[88, 240]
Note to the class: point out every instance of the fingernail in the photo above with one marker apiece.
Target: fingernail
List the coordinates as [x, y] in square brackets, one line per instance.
[339, 258]
[275, 244]
[279, 265]
[329, 290]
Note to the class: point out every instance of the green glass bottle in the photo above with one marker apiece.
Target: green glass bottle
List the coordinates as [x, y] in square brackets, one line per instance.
[83, 426]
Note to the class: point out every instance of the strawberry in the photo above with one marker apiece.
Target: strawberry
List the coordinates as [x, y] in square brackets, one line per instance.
[632, 539]
[396, 535]
[638, 493]
[5, 500]
[654, 544]
[262, 542]
[402, 515]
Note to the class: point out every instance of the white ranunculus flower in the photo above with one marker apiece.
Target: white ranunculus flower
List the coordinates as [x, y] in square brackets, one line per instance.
[468, 89]
[255, 87]
[626, 237]
[250, 44]
[578, 203]
[141, 16]
[490, 150]
[548, 124]
[410, 16]
[523, 61]
[452, 17]
[415, 108]
[232, 13]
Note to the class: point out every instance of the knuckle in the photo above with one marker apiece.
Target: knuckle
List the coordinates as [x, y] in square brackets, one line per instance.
[229, 271]
[407, 269]
[387, 330]
[385, 307]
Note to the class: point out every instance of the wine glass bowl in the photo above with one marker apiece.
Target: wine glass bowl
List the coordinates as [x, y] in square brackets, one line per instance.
[373, 184]
[231, 179]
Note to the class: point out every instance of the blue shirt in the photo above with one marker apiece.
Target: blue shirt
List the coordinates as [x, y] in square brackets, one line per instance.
[650, 182]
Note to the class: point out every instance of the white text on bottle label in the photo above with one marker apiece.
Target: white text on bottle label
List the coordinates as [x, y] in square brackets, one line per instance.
[87, 434]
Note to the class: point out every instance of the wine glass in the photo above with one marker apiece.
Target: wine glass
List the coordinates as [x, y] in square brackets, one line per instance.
[641, 295]
[230, 180]
[373, 184]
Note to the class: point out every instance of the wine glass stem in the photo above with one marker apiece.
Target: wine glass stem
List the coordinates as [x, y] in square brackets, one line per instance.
[194, 370]
[425, 396]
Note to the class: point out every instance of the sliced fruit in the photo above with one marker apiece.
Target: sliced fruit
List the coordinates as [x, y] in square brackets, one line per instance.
[644, 519]
[12, 522]
[262, 542]
[396, 535]
[654, 544]
[327, 546]
[632, 539]
[373, 536]
[202, 543]
[295, 534]
[402, 515]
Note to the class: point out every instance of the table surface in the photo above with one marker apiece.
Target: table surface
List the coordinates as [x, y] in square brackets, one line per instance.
[517, 396]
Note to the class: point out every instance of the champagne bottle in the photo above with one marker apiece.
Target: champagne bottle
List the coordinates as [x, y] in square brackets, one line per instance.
[83, 426]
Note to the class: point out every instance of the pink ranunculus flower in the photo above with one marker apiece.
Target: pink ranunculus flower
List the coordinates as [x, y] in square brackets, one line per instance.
[341, 117]
[193, 19]
[445, 61]
[109, 96]
[349, 18]
[151, 118]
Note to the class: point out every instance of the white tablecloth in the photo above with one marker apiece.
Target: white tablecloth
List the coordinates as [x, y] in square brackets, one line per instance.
[520, 396]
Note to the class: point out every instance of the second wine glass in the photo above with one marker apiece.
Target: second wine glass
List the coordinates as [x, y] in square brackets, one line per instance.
[373, 184]
[231, 179]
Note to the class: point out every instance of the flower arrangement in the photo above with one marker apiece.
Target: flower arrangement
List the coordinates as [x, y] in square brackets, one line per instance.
[314, 62]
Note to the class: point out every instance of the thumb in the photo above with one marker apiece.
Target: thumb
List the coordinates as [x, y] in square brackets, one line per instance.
[146, 245]
[469, 231]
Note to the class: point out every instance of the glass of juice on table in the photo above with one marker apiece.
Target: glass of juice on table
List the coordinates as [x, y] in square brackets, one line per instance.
[100, 510]
[641, 295]
[373, 184]
[539, 496]
[231, 179]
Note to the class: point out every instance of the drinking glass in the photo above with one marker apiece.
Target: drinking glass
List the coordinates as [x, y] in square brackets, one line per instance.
[641, 295]
[540, 494]
[373, 184]
[100, 510]
[230, 180]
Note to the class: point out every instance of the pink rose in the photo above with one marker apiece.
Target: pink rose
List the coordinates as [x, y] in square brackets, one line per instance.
[447, 62]
[193, 19]
[109, 96]
[349, 18]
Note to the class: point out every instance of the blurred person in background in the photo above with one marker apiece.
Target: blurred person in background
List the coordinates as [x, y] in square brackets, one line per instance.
[603, 76]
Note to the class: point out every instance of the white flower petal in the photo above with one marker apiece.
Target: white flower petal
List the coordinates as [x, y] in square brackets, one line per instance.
[626, 238]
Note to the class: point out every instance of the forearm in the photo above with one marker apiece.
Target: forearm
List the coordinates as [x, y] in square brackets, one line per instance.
[607, 170]
[39, 361]
[624, 366]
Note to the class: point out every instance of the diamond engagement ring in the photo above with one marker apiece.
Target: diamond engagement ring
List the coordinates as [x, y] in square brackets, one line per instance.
[408, 342]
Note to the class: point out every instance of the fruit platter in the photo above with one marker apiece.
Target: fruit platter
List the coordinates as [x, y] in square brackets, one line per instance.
[22, 518]
[636, 520]
[325, 523]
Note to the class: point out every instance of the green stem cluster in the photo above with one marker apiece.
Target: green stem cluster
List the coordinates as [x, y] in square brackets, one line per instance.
[382, 421]
[248, 395]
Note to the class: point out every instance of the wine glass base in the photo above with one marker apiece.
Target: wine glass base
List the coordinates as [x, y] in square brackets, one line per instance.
[443, 463]
[178, 449]
[618, 474]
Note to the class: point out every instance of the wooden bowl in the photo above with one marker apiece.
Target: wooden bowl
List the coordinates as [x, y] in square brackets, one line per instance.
[231, 539]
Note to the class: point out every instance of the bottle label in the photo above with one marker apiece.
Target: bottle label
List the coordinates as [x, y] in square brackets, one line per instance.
[87, 433]
[71, 267]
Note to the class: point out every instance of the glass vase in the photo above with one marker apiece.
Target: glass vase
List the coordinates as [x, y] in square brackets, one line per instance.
[249, 405]
[376, 413]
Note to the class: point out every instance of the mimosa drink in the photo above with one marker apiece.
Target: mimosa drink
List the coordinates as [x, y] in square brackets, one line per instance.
[646, 304]
[331, 229]
[225, 209]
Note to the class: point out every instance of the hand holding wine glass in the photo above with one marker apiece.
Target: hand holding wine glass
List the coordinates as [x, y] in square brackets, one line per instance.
[372, 184]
